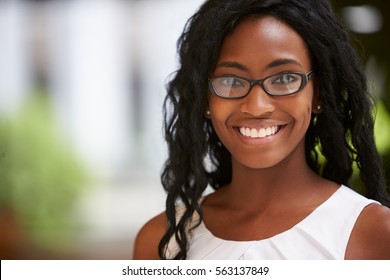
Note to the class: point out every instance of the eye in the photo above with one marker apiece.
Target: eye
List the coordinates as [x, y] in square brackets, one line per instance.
[285, 78]
[231, 82]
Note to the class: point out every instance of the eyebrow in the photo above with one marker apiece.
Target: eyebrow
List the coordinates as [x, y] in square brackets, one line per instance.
[283, 61]
[231, 64]
[275, 63]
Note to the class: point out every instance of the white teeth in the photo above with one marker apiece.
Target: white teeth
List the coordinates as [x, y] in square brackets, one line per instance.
[258, 133]
[254, 133]
[262, 132]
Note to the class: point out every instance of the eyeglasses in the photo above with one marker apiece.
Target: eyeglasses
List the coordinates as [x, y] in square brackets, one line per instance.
[282, 84]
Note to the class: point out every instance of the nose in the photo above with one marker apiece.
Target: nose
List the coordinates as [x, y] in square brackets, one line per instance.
[257, 102]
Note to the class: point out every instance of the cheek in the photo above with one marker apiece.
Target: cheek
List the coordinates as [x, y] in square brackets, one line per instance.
[219, 108]
[221, 111]
[217, 117]
[303, 113]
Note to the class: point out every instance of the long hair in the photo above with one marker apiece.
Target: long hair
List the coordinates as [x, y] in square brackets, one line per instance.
[343, 131]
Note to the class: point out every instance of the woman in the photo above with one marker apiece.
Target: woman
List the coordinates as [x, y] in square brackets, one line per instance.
[269, 107]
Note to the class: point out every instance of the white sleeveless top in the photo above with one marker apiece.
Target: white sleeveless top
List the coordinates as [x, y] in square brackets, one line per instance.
[323, 234]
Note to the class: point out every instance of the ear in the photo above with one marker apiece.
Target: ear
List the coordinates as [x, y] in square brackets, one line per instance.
[317, 106]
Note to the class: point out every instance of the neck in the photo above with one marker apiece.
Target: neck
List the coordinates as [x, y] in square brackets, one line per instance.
[280, 184]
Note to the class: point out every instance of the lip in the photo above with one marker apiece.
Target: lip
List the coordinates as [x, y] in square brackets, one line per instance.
[259, 141]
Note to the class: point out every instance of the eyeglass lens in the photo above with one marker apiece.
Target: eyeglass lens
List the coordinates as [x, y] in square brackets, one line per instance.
[280, 84]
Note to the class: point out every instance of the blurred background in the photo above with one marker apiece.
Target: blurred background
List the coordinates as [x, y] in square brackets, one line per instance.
[81, 89]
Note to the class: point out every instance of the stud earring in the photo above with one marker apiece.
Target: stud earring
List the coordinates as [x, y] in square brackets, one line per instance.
[207, 113]
[317, 109]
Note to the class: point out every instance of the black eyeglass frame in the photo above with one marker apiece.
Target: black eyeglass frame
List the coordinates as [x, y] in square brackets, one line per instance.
[305, 79]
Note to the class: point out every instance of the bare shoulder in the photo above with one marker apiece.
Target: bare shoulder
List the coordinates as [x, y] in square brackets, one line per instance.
[370, 238]
[148, 238]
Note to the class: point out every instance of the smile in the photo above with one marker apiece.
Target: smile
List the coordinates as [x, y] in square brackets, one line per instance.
[259, 133]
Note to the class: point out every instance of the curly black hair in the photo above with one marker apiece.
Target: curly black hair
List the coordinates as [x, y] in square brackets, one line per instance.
[342, 133]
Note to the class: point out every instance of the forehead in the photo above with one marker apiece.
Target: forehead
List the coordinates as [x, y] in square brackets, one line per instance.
[259, 41]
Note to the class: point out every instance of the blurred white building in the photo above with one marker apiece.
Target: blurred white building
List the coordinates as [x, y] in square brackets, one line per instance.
[15, 56]
[104, 64]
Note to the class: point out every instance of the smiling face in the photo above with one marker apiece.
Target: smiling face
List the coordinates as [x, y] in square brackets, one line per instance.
[260, 130]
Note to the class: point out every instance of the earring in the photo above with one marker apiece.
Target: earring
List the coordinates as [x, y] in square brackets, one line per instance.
[207, 113]
[317, 109]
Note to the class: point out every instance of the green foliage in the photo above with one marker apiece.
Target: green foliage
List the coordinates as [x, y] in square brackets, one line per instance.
[40, 177]
[382, 128]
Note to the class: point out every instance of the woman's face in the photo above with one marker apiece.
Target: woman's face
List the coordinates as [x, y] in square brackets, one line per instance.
[260, 130]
